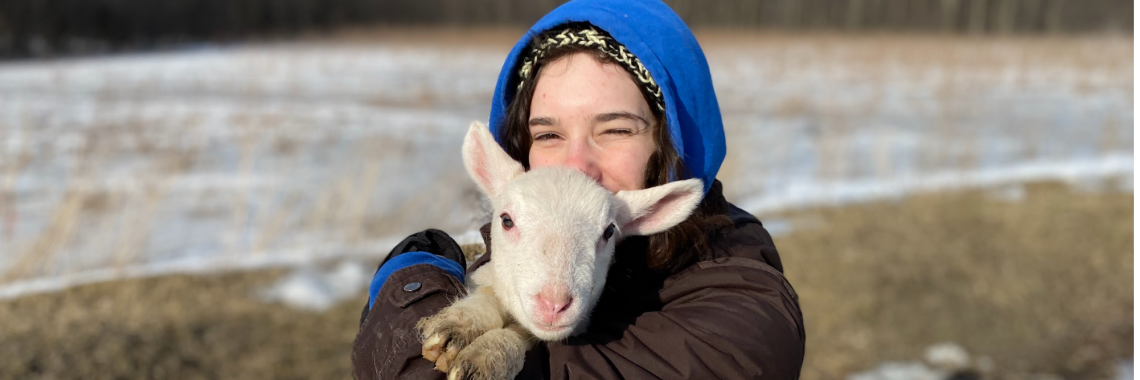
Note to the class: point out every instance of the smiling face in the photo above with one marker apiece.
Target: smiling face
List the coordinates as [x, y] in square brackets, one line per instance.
[592, 117]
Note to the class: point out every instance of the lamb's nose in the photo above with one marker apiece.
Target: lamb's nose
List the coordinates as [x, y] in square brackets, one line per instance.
[552, 303]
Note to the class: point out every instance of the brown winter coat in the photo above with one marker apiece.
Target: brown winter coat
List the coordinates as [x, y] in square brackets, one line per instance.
[734, 317]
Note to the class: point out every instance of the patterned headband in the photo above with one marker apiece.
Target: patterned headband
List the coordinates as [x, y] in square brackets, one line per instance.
[590, 37]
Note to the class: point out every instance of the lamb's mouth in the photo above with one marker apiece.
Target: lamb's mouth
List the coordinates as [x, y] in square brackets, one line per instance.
[553, 328]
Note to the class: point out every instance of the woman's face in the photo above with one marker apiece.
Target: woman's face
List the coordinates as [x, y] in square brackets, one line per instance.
[591, 116]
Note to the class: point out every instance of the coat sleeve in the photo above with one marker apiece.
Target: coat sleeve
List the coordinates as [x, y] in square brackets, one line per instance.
[733, 319]
[388, 343]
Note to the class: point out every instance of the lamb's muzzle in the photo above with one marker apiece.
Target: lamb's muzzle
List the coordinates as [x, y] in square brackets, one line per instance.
[552, 303]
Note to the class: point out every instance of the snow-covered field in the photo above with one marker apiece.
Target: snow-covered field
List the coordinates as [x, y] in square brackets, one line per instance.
[285, 154]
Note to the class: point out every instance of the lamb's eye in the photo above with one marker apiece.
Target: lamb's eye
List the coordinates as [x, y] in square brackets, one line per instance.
[507, 222]
[609, 232]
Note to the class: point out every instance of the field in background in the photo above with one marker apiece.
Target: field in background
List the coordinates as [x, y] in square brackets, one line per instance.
[1038, 286]
[278, 154]
[892, 169]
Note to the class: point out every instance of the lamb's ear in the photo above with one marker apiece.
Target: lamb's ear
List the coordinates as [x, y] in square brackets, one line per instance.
[487, 164]
[656, 209]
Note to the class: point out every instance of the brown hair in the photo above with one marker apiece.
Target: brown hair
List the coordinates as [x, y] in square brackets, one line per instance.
[669, 251]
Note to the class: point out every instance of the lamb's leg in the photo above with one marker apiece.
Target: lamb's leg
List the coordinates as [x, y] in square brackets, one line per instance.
[497, 354]
[453, 328]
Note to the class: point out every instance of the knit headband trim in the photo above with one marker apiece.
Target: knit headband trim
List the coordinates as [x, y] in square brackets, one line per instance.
[590, 37]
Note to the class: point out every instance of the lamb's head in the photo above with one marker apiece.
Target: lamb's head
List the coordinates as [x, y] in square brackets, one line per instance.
[554, 229]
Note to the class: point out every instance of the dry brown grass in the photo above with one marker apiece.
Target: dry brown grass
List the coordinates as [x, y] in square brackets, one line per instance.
[1041, 286]
[177, 327]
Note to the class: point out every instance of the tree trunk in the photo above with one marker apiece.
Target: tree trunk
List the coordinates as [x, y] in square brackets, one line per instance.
[502, 11]
[1031, 17]
[1053, 11]
[750, 12]
[949, 14]
[854, 14]
[978, 16]
[1006, 16]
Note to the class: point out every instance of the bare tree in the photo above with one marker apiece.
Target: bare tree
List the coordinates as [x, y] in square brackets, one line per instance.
[1053, 12]
[1006, 16]
[977, 20]
[29, 27]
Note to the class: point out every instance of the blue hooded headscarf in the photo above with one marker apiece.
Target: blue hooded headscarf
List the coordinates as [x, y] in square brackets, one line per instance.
[668, 49]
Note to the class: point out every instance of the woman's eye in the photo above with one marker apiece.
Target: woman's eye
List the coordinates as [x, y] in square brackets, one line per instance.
[507, 222]
[622, 131]
[545, 136]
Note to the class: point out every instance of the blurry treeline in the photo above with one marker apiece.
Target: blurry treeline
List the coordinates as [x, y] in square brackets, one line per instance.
[45, 27]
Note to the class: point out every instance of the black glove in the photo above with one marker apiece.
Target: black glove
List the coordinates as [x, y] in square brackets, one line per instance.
[431, 241]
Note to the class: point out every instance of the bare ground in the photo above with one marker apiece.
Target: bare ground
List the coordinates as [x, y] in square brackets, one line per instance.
[1041, 286]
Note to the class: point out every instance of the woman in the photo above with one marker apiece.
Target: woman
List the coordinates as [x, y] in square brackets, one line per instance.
[621, 91]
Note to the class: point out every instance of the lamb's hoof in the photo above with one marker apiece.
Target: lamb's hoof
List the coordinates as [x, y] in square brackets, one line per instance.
[445, 335]
[496, 355]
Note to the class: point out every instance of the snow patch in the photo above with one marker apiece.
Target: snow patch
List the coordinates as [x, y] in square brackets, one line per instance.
[1125, 370]
[315, 290]
[1010, 193]
[373, 251]
[811, 193]
[778, 226]
[948, 356]
[900, 371]
[469, 237]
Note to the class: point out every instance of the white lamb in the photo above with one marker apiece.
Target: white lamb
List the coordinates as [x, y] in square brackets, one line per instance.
[553, 235]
